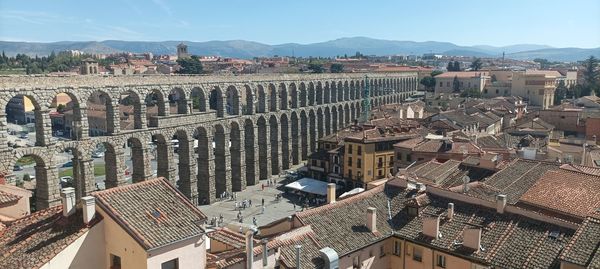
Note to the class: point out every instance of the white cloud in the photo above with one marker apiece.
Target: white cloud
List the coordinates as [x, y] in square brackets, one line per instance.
[163, 5]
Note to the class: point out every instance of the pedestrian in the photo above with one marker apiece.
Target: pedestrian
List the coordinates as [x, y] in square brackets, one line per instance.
[254, 221]
[236, 205]
[241, 230]
[294, 207]
[263, 201]
[249, 202]
[263, 186]
[262, 209]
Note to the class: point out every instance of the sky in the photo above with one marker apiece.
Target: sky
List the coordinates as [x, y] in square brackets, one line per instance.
[558, 23]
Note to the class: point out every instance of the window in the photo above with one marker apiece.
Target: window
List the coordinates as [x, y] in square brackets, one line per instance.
[358, 163]
[441, 261]
[441, 84]
[497, 91]
[350, 161]
[115, 262]
[381, 250]
[350, 149]
[380, 173]
[314, 162]
[359, 150]
[408, 158]
[397, 248]
[350, 174]
[448, 84]
[417, 254]
[172, 264]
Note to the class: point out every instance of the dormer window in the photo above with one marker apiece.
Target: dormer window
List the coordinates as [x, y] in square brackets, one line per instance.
[412, 211]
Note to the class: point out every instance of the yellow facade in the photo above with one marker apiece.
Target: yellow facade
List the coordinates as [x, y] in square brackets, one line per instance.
[363, 163]
[121, 244]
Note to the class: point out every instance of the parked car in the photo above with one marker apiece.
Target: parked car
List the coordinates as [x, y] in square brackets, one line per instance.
[24, 135]
[17, 168]
[97, 154]
[68, 164]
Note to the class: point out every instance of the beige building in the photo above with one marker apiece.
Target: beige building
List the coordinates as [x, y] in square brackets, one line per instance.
[536, 86]
[475, 80]
[144, 225]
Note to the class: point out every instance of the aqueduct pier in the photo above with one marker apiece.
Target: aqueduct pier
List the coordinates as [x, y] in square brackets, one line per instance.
[244, 128]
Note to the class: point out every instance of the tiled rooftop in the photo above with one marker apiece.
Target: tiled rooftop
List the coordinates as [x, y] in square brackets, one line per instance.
[32, 241]
[566, 191]
[6, 198]
[508, 240]
[583, 249]
[153, 211]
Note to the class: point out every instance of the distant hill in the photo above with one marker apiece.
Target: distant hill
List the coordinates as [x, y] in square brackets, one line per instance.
[341, 46]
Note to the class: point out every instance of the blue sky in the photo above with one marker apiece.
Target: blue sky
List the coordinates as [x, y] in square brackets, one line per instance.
[574, 23]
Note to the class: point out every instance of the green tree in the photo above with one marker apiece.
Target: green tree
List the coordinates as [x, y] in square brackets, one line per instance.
[456, 66]
[494, 79]
[591, 75]
[560, 93]
[428, 82]
[190, 65]
[450, 66]
[455, 85]
[435, 73]
[316, 67]
[476, 64]
[26, 177]
[60, 108]
[336, 68]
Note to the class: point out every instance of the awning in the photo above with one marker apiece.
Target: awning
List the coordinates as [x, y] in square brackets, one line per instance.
[309, 185]
[352, 192]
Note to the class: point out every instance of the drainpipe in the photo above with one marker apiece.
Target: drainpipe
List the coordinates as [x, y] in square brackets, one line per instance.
[298, 248]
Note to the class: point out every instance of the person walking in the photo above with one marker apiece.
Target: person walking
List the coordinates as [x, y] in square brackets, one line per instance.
[263, 209]
[263, 201]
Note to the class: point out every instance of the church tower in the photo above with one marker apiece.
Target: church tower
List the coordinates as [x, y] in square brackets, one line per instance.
[182, 51]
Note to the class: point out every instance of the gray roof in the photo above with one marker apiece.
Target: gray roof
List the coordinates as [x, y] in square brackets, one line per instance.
[584, 247]
[153, 212]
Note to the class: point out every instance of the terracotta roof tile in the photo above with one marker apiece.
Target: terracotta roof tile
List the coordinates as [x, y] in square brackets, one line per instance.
[153, 212]
[6, 198]
[584, 247]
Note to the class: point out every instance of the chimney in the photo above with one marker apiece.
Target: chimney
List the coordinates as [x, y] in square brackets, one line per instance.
[372, 219]
[265, 250]
[89, 208]
[472, 238]
[68, 201]
[298, 248]
[450, 210]
[250, 246]
[431, 227]
[330, 258]
[500, 203]
[331, 193]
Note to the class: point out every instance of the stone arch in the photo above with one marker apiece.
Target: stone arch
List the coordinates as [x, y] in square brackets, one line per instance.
[155, 106]
[319, 93]
[346, 114]
[262, 100]
[326, 93]
[311, 94]
[177, 98]
[295, 136]
[303, 96]
[139, 160]
[131, 110]
[249, 152]
[285, 141]
[233, 100]
[320, 124]
[62, 107]
[199, 101]
[206, 176]
[327, 115]
[101, 113]
[47, 191]
[15, 108]
[341, 92]
[221, 148]
[164, 155]
[263, 149]
[353, 111]
[275, 145]
[248, 106]
[283, 96]
[293, 95]
[273, 97]
[313, 132]
[334, 119]
[185, 152]
[333, 92]
[304, 135]
[216, 101]
[235, 152]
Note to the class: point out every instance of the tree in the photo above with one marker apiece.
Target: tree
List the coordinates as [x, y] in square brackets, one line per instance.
[455, 85]
[316, 68]
[336, 68]
[450, 67]
[435, 73]
[60, 108]
[560, 93]
[26, 177]
[428, 82]
[494, 79]
[456, 66]
[591, 75]
[190, 65]
[476, 64]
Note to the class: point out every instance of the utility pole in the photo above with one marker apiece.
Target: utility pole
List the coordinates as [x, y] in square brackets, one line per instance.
[366, 101]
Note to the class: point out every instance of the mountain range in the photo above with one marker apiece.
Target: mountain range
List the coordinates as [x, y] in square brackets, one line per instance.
[350, 45]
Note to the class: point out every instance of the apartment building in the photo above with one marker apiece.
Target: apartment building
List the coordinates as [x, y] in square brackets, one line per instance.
[472, 80]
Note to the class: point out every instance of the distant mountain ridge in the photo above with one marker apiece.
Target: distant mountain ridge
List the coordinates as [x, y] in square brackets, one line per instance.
[341, 46]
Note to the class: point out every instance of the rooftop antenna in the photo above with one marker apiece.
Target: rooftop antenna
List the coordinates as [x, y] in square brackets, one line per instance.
[366, 101]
